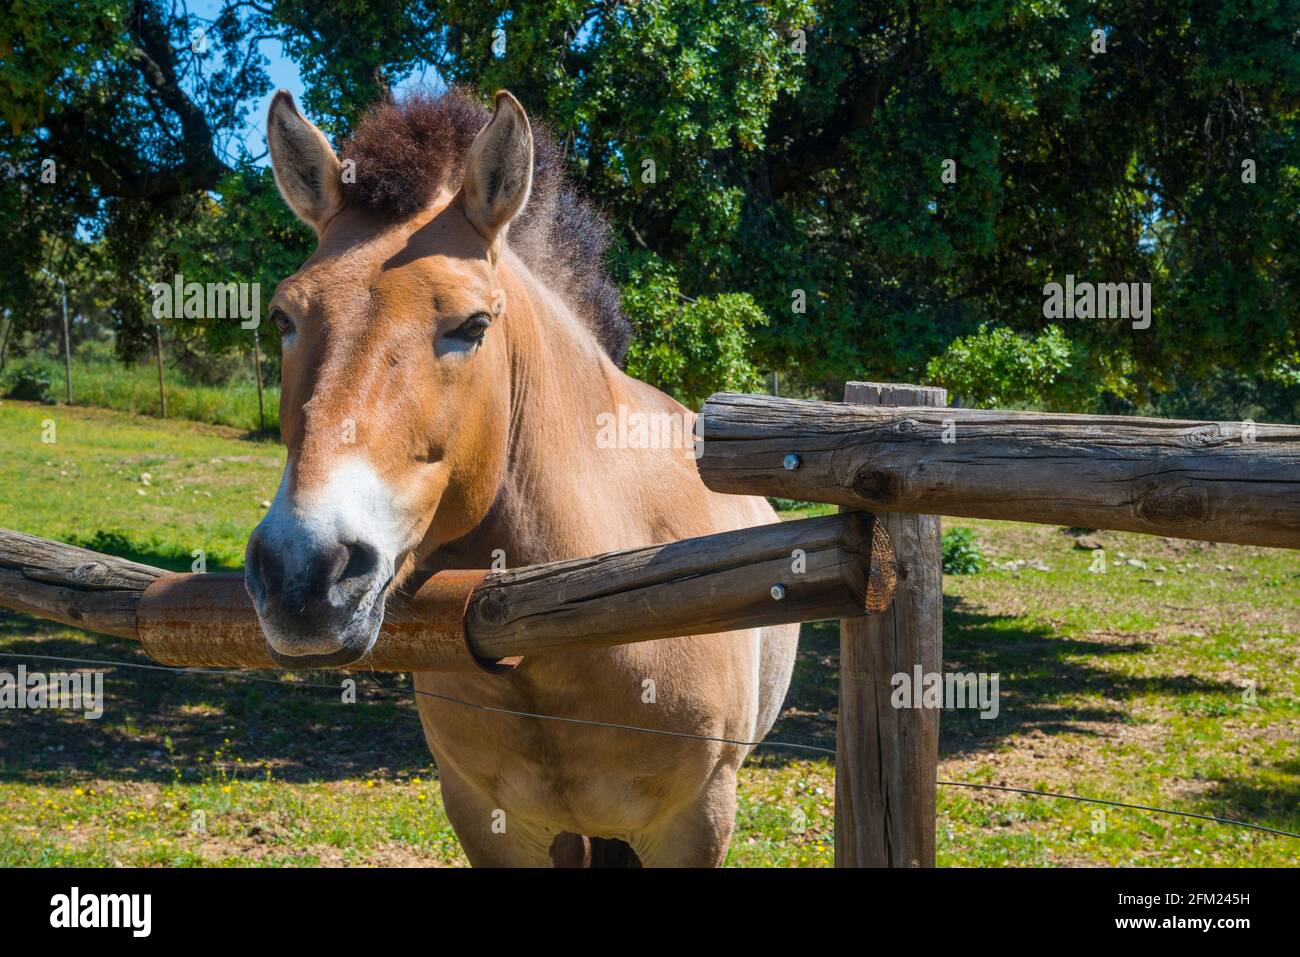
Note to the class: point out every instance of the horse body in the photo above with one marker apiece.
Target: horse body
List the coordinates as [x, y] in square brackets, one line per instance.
[671, 798]
[416, 443]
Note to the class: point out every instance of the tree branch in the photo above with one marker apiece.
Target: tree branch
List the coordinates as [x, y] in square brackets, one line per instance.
[114, 167]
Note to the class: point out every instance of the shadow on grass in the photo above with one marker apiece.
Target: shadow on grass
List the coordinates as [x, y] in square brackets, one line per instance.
[309, 734]
[1039, 672]
[173, 560]
[269, 435]
[1259, 799]
[300, 733]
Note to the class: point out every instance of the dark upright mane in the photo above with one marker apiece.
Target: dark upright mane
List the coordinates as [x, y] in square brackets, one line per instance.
[407, 151]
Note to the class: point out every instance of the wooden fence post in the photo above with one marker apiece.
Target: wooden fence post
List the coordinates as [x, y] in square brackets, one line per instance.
[67, 344]
[162, 392]
[887, 758]
[4, 340]
[257, 369]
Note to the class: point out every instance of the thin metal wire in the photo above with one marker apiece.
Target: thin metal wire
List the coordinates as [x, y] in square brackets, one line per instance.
[607, 724]
[374, 683]
[1135, 807]
[244, 675]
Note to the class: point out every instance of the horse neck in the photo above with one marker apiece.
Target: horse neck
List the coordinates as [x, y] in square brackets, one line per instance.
[560, 495]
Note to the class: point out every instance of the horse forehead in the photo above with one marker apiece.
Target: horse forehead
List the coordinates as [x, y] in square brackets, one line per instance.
[432, 256]
[440, 250]
[336, 274]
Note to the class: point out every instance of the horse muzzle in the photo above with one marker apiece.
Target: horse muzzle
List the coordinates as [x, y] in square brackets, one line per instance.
[319, 605]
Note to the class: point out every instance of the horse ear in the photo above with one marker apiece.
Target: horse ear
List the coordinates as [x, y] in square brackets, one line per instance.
[499, 170]
[306, 169]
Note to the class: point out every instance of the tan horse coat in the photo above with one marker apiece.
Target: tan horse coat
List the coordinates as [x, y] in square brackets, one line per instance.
[461, 456]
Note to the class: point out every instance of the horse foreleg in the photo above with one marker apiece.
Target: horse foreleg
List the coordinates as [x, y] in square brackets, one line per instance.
[489, 835]
[697, 834]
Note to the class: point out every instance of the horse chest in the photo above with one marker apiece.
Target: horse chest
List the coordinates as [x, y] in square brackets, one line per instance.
[581, 774]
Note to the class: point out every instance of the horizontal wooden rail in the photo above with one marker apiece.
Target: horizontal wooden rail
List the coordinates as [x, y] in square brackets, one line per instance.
[1216, 481]
[831, 567]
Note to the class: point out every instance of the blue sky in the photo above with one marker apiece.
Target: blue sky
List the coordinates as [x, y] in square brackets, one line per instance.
[285, 75]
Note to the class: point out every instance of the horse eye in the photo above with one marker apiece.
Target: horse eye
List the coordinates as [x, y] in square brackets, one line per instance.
[472, 329]
[282, 321]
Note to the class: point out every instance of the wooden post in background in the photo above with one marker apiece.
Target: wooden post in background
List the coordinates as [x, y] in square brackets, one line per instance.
[257, 371]
[67, 343]
[162, 392]
[887, 758]
[4, 340]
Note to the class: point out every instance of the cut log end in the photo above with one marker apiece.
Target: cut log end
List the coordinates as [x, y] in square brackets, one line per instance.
[882, 576]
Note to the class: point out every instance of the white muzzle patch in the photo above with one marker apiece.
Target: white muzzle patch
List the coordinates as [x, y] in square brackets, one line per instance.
[353, 506]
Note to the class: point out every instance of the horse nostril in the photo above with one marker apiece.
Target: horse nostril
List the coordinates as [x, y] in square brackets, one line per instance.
[296, 579]
[351, 568]
[269, 567]
[363, 562]
[332, 562]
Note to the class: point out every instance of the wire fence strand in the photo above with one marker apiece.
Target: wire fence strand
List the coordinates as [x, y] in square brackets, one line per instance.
[791, 745]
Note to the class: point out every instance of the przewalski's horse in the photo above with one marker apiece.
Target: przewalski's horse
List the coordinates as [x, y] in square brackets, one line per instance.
[448, 351]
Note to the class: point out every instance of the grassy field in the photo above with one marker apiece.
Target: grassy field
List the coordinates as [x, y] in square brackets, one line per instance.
[1171, 679]
[108, 384]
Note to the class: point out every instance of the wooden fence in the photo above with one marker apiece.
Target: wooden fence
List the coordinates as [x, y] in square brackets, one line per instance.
[1215, 481]
[894, 449]
[463, 619]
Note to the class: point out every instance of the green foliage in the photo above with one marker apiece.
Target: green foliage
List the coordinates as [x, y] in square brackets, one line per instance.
[689, 348]
[782, 161]
[48, 44]
[134, 109]
[349, 50]
[786, 504]
[1272, 396]
[779, 170]
[246, 235]
[962, 555]
[998, 367]
[30, 383]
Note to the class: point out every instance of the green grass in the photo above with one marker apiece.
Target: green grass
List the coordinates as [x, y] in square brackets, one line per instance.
[205, 487]
[1127, 685]
[134, 388]
[1132, 685]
